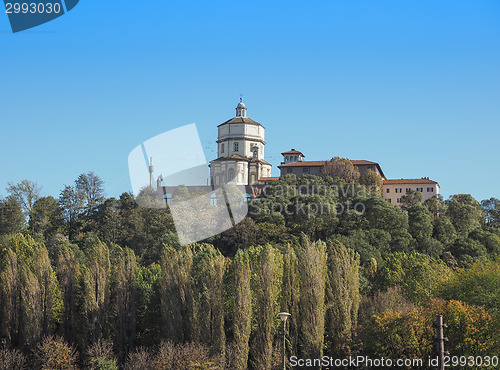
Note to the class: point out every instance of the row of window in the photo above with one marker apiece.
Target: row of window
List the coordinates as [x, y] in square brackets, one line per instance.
[291, 158]
[400, 190]
[237, 147]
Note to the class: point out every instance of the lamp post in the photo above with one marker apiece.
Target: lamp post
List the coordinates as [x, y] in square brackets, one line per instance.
[283, 316]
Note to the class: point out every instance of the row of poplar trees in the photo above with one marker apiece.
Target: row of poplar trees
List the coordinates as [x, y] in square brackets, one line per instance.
[194, 294]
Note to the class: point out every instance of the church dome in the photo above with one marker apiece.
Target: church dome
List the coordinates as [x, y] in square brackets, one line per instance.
[241, 105]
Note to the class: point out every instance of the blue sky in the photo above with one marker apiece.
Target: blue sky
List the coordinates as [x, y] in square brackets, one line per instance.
[412, 85]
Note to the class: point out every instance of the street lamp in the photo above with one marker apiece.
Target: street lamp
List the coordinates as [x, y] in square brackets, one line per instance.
[283, 316]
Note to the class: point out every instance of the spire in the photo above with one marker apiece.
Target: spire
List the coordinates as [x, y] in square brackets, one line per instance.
[241, 110]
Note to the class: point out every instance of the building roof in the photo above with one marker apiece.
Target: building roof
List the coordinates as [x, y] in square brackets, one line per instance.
[241, 120]
[424, 180]
[269, 178]
[293, 151]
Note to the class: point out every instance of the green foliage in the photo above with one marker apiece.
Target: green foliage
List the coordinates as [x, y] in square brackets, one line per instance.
[342, 297]
[313, 272]
[478, 284]
[11, 217]
[418, 274]
[242, 317]
[342, 168]
[266, 289]
[410, 199]
[464, 212]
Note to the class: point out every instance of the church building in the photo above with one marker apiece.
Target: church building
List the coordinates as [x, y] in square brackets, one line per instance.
[240, 153]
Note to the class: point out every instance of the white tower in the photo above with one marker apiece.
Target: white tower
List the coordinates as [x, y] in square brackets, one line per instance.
[240, 151]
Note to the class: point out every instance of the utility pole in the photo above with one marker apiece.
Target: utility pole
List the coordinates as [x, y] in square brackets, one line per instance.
[440, 340]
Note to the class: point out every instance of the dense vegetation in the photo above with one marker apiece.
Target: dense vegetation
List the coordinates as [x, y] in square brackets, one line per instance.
[100, 283]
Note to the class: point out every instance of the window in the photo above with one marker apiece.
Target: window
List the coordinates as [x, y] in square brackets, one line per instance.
[408, 190]
[286, 159]
[430, 190]
[222, 148]
[213, 199]
[389, 200]
[399, 190]
[388, 191]
[295, 157]
[420, 190]
[289, 170]
[399, 200]
[236, 147]
[305, 169]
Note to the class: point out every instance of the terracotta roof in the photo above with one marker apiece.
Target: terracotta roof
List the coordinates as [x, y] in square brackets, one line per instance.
[362, 162]
[241, 120]
[293, 151]
[409, 181]
[269, 178]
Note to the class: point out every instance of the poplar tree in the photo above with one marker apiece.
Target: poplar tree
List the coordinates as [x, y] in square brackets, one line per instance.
[291, 294]
[242, 310]
[176, 295]
[312, 266]
[342, 296]
[209, 268]
[95, 293]
[265, 294]
[69, 276]
[123, 297]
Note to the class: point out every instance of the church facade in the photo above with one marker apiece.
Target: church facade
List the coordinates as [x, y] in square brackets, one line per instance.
[240, 152]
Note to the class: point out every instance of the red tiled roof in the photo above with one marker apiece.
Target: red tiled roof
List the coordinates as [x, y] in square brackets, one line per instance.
[358, 162]
[409, 181]
[293, 151]
[269, 178]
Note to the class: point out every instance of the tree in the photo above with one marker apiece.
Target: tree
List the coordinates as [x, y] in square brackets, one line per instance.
[91, 187]
[26, 193]
[372, 179]
[45, 217]
[123, 289]
[11, 217]
[291, 294]
[477, 284]
[242, 310]
[29, 293]
[72, 203]
[410, 199]
[265, 293]
[53, 353]
[312, 266]
[342, 297]
[491, 208]
[419, 275]
[342, 168]
[464, 212]
[208, 273]
[95, 292]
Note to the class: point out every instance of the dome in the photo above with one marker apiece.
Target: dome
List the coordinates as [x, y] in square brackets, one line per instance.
[241, 105]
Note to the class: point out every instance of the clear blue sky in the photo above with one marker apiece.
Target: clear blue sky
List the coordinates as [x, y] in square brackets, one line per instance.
[413, 85]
